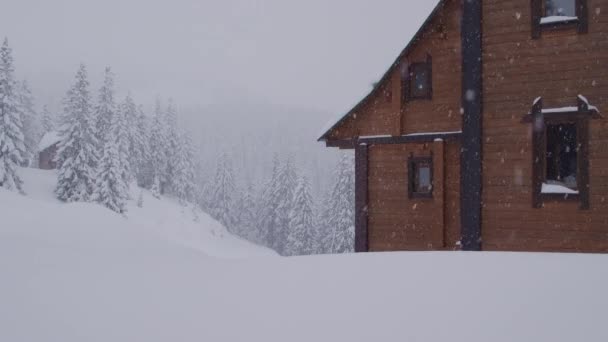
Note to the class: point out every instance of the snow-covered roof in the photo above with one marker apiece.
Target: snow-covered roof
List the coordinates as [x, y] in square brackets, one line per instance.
[48, 140]
[566, 109]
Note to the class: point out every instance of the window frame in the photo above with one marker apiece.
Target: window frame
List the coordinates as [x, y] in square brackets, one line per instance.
[538, 11]
[409, 78]
[413, 168]
[580, 118]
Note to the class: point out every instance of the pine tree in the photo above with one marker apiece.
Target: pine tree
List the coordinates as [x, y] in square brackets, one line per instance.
[77, 151]
[31, 127]
[269, 202]
[141, 151]
[287, 182]
[158, 150]
[48, 120]
[111, 189]
[247, 217]
[11, 130]
[222, 203]
[300, 221]
[173, 142]
[122, 137]
[341, 217]
[105, 109]
[183, 183]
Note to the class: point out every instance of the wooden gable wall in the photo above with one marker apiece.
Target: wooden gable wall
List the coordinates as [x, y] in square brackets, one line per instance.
[383, 112]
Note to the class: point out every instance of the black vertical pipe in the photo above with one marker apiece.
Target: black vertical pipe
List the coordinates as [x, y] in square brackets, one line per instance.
[471, 152]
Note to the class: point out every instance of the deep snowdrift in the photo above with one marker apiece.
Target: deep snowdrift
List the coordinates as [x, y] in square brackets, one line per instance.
[109, 282]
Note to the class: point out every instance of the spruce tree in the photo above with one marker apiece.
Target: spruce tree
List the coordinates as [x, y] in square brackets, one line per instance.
[48, 120]
[173, 142]
[223, 196]
[121, 129]
[105, 109]
[341, 216]
[158, 151]
[183, 183]
[11, 130]
[141, 153]
[286, 184]
[247, 215]
[31, 124]
[111, 189]
[269, 202]
[77, 151]
[301, 219]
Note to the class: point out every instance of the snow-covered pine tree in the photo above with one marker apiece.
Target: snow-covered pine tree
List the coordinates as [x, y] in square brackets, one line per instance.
[104, 111]
[299, 239]
[223, 196]
[134, 137]
[286, 184]
[141, 150]
[173, 142]
[111, 189]
[48, 120]
[31, 124]
[123, 139]
[247, 217]
[183, 170]
[341, 217]
[11, 130]
[269, 202]
[77, 153]
[158, 150]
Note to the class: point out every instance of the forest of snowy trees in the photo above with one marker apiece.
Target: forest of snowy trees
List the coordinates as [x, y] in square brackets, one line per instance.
[109, 145]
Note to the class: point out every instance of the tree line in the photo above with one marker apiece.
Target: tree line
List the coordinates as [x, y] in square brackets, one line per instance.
[105, 145]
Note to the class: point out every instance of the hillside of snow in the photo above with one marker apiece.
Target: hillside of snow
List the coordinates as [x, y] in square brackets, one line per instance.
[73, 273]
[40, 213]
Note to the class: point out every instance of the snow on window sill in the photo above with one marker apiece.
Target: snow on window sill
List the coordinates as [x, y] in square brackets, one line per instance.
[557, 189]
[557, 19]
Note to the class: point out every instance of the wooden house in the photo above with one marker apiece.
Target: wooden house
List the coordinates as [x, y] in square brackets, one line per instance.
[48, 151]
[486, 133]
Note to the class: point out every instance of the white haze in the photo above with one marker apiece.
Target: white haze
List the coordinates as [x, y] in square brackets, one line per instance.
[250, 77]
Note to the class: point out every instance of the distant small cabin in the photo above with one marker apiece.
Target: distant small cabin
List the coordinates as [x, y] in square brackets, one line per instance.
[48, 151]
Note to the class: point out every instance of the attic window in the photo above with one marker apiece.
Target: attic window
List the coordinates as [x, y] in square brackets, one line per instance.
[420, 177]
[556, 14]
[418, 81]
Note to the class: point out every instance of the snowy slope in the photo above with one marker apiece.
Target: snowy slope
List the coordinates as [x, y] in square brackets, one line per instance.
[164, 218]
[109, 283]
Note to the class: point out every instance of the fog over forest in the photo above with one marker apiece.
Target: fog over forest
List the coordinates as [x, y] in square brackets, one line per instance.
[250, 79]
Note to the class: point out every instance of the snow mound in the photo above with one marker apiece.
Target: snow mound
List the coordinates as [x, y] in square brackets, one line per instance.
[40, 213]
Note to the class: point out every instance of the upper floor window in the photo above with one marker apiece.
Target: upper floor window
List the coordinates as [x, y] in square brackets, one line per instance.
[560, 8]
[557, 14]
[418, 81]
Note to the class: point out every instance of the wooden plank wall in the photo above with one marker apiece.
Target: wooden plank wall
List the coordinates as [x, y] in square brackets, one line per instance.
[399, 223]
[558, 66]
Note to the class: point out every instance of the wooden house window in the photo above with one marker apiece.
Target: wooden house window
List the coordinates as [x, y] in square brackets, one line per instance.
[418, 81]
[557, 14]
[420, 177]
[561, 152]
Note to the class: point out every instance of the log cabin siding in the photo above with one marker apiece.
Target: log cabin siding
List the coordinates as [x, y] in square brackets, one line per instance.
[380, 116]
[397, 222]
[557, 66]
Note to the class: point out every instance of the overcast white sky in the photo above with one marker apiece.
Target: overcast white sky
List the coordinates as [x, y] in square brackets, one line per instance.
[321, 54]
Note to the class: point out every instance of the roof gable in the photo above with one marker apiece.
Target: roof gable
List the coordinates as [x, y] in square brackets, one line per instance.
[379, 85]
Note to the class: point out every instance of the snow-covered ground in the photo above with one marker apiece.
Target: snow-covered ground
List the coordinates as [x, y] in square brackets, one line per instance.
[73, 273]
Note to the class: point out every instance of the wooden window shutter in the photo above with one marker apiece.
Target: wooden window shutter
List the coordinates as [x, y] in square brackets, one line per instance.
[583, 16]
[539, 154]
[583, 155]
[429, 68]
[536, 11]
[411, 176]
